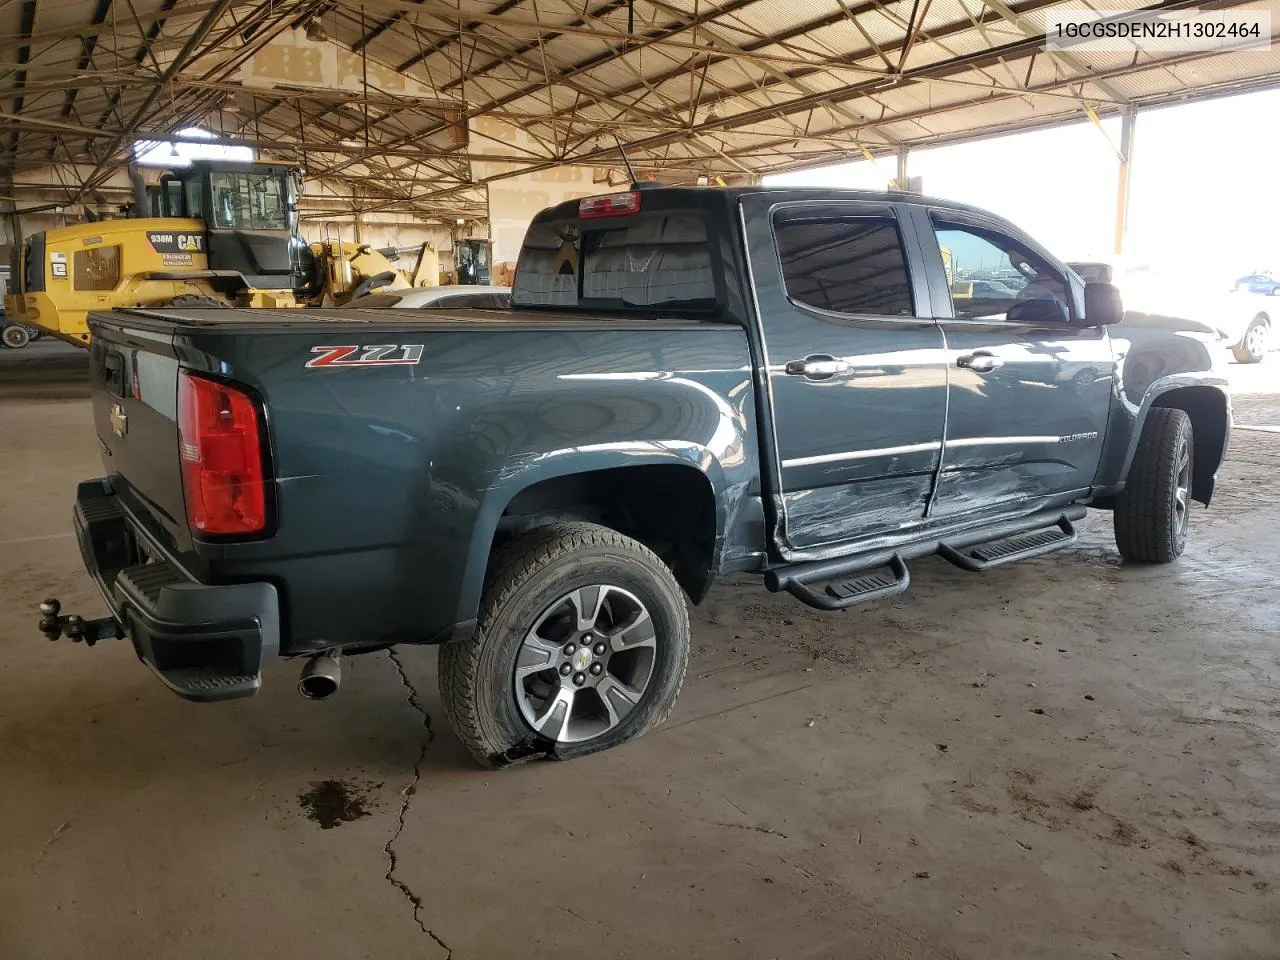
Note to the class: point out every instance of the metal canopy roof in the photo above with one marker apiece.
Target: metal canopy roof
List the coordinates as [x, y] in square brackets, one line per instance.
[729, 88]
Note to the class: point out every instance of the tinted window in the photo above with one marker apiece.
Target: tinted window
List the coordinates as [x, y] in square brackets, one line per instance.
[645, 261]
[975, 259]
[846, 265]
[548, 273]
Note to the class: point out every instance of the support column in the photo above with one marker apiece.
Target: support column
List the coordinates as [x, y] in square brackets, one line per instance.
[902, 168]
[1127, 121]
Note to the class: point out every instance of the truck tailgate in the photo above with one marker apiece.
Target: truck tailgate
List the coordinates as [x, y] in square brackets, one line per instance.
[134, 384]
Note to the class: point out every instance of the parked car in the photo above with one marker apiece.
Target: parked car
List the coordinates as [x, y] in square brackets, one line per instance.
[994, 289]
[1258, 283]
[1249, 333]
[457, 296]
[1242, 323]
[692, 383]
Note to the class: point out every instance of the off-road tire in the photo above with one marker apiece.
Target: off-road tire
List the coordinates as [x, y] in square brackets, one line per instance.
[1146, 522]
[15, 336]
[1244, 351]
[525, 577]
[195, 301]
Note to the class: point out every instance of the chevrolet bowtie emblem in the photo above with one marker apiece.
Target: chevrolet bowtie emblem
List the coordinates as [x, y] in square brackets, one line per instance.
[119, 422]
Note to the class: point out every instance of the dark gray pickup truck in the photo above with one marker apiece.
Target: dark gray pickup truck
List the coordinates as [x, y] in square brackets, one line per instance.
[815, 386]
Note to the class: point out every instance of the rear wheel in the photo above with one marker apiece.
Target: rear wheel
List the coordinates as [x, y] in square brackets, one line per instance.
[1153, 510]
[1253, 346]
[582, 644]
[15, 336]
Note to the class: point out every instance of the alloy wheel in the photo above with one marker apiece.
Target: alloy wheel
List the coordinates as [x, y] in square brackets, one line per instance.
[1182, 492]
[585, 664]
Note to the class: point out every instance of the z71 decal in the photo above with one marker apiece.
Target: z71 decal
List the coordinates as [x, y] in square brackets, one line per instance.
[378, 355]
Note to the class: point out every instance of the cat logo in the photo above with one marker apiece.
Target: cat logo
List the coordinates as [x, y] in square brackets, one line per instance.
[176, 242]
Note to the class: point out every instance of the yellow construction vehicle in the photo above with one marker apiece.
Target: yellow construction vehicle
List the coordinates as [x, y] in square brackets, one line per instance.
[471, 263]
[215, 234]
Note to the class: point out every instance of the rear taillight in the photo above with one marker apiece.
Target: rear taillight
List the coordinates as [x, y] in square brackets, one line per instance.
[610, 205]
[221, 443]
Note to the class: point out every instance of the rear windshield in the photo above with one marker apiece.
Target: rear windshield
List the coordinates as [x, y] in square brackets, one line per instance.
[651, 260]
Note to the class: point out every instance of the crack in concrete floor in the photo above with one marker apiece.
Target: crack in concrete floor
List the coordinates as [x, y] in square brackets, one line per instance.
[406, 796]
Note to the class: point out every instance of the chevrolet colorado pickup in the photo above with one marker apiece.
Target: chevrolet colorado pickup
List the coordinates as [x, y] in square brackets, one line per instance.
[804, 384]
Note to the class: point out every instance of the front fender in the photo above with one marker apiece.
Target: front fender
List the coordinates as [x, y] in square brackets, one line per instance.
[1152, 363]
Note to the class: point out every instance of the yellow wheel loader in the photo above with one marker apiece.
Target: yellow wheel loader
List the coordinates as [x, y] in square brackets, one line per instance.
[218, 234]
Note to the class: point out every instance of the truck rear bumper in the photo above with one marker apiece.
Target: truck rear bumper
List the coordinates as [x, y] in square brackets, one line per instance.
[204, 642]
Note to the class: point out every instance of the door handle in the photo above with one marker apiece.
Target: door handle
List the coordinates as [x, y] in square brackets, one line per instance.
[816, 367]
[980, 361]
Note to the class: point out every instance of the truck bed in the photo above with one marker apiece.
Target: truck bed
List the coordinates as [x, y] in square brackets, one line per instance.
[397, 438]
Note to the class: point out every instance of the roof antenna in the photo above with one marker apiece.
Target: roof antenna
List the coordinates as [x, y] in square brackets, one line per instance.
[631, 171]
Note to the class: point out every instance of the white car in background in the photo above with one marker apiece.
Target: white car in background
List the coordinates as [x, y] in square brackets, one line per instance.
[461, 296]
[1243, 321]
[1249, 327]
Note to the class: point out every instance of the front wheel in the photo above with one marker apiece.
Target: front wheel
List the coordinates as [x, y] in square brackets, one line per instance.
[581, 644]
[1153, 510]
[1253, 346]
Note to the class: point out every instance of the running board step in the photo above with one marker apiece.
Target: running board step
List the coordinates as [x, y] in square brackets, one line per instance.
[995, 553]
[887, 581]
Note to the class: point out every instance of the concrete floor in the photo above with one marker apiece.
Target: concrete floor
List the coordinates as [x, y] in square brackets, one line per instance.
[1066, 758]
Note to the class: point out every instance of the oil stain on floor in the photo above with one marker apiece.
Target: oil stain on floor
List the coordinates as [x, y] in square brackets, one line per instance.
[332, 803]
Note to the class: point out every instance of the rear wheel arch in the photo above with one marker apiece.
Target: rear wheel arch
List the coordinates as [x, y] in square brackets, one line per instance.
[1208, 409]
[668, 505]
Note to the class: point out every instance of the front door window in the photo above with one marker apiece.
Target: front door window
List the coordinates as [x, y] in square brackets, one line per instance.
[988, 273]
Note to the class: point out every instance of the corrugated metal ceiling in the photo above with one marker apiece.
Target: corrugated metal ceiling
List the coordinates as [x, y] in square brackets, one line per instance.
[693, 87]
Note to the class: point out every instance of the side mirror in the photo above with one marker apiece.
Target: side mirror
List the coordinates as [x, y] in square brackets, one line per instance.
[1039, 311]
[1102, 305]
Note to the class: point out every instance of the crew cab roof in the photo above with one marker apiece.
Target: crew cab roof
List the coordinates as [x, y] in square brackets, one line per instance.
[725, 197]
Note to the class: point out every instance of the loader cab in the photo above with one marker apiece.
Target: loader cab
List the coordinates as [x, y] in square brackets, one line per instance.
[250, 211]
[471, 261]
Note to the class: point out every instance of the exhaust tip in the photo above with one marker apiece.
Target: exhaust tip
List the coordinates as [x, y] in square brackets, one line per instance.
[320, 677]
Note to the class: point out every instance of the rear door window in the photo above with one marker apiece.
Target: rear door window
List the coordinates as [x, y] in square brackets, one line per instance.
[853, 265]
